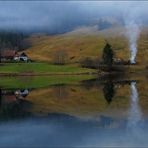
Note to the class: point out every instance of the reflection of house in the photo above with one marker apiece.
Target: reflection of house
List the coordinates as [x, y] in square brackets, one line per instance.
[22, 93]
[9, 96]
[6, 99]
[13, 55]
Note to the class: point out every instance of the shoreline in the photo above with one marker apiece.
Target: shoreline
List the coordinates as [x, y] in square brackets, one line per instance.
[70, 73]
[45, 74]
[45, 69]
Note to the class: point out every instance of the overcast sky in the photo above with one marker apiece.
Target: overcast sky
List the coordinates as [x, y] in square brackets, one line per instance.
[59, 15]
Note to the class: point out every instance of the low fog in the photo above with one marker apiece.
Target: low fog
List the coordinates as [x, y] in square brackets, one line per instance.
[62, 16]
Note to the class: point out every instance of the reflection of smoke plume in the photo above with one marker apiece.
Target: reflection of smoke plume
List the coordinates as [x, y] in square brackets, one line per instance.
[132, 33]
[135, 114]
[135, 121]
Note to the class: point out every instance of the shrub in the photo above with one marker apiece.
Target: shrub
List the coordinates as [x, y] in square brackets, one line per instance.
[90, 63]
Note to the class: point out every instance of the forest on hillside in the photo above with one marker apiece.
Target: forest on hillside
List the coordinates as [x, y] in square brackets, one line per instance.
[13, 40]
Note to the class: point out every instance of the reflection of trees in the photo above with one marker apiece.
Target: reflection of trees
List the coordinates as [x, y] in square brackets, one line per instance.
[0, 96]
[16, 109]
[60, 92]
[13, 103]
[108, 91]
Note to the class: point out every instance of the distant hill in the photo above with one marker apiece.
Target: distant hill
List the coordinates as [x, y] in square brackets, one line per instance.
[85, 42]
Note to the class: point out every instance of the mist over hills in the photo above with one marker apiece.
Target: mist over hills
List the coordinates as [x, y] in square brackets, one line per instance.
[56, 17]
[101, 24]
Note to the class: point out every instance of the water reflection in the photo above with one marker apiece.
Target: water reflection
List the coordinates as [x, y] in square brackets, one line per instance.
[76, 115]
[135, 123]
[60, 92]
[109, 91]
[13, 103]
[135, 114]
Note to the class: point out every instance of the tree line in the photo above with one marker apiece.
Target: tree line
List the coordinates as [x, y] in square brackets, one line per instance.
[12, 40]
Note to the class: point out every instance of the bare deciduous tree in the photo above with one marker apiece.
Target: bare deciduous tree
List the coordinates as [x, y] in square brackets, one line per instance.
[60, 57]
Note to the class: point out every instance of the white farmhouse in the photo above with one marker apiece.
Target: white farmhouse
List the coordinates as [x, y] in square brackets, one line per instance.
[21, 57]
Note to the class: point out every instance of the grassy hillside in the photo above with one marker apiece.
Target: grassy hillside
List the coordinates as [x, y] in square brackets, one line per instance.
[86, 42]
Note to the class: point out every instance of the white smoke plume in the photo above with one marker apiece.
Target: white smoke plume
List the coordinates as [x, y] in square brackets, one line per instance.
[133, 28]
[133, 32]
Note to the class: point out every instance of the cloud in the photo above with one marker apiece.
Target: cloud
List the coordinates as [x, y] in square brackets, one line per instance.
[60, 16]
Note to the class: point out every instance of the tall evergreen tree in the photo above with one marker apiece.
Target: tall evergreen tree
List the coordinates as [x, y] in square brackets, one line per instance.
[108, 55]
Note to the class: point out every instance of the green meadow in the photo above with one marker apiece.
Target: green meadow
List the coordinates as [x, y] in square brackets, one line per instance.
[41, 68]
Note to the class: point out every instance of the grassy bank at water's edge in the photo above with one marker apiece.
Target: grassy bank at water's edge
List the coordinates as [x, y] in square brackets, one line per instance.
[41, 68]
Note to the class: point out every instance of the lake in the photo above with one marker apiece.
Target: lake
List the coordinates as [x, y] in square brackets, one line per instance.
[98, 112]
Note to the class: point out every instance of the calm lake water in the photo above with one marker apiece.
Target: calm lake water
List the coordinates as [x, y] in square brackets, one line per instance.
[106, 111]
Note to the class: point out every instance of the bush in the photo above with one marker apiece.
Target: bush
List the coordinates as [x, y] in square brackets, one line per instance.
[89, 63]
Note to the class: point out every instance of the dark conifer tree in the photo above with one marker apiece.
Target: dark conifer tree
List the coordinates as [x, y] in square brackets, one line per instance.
[108, 55]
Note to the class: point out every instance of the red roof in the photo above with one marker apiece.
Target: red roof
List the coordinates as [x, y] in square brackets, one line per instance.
[9, 98]
[8, 53]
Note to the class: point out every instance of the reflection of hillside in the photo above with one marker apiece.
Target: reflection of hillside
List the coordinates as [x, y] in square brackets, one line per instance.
[68, 99]
[90, 98]
[60, 92]
[77, 100]
[108, 97]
